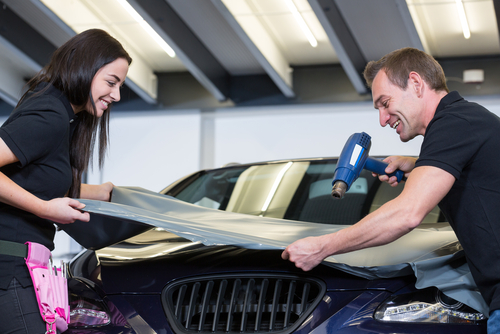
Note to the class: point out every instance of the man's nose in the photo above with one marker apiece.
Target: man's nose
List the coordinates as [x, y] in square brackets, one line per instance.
[384, 117]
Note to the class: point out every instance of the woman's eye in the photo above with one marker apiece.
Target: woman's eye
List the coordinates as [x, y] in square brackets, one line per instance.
[111, 83]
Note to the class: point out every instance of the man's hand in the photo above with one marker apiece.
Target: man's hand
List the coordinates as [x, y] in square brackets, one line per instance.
[64, 211]
[306, 253]
[406, 164]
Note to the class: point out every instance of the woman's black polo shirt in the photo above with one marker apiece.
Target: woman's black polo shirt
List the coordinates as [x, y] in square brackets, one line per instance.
[38, 132]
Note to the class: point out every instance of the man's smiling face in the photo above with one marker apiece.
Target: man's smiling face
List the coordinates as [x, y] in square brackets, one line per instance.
[398, 108]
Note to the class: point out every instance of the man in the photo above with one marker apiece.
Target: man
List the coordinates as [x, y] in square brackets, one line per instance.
[457, 169]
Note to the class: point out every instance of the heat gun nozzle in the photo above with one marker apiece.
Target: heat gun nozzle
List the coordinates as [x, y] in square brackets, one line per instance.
[338, 190]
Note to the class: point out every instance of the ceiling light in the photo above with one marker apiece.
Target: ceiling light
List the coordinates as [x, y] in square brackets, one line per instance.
[147, 28]
[302, 23]
[463, 19]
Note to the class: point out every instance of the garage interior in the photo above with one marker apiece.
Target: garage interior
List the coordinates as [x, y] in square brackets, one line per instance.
[220, 81]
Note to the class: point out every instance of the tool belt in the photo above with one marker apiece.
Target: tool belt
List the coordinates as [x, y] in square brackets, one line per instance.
[49, 282]
[13, 249]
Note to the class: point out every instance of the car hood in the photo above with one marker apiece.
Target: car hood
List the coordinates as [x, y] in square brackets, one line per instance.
[432, 254]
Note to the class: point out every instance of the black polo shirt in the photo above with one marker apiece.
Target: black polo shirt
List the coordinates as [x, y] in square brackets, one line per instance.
[463, 139]
[38, 132]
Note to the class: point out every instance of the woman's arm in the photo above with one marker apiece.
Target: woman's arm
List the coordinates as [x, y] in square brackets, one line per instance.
[101, 192]
[59, 210]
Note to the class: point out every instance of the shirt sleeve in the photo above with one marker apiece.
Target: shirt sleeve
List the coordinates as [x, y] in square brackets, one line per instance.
[33, 134]
[449, 144]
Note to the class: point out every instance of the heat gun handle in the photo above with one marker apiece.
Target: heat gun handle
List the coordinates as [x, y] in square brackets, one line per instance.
[379, 166]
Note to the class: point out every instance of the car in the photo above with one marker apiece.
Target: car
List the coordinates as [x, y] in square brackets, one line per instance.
[203, 256]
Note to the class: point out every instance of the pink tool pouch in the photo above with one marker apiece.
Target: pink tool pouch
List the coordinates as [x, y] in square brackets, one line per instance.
[51, 288]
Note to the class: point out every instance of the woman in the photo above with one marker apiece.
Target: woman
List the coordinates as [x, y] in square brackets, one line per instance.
[45, 146]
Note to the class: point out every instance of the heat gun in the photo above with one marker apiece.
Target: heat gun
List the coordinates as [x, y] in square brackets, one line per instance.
[353, 158]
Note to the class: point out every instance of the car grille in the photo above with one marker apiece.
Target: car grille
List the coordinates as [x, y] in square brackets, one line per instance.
[241, 304]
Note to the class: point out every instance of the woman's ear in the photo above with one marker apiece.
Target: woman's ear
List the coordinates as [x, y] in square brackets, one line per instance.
[416, 83]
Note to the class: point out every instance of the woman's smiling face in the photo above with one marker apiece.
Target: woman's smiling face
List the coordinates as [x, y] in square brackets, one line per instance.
[106, 85]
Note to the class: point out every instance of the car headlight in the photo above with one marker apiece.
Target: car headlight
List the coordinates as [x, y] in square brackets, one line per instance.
[428, 305]
[87, 308]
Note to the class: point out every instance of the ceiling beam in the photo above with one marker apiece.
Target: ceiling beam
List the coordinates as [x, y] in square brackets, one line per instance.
[35, 42]
[15, 69]
[24, 37]
[359, 31]
[266, 53]
[343, 42]
[188, 48]
[373, 32]
[204, 35]
[23, 52]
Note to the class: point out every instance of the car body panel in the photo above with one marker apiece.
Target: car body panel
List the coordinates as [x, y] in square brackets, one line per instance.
[153, 258]
[347, 306]
[423, 250]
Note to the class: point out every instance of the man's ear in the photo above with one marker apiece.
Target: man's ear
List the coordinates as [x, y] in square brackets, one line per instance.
[416, 83]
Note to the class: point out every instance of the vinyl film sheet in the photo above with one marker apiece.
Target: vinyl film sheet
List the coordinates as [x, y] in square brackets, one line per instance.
[431, 254]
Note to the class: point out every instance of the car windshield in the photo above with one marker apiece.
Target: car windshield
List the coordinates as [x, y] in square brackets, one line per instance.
[296, 190]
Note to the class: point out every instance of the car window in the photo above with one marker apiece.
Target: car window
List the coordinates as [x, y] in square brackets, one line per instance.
[296, 190]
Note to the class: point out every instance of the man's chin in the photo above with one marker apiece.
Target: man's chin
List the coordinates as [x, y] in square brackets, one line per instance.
[404, 138]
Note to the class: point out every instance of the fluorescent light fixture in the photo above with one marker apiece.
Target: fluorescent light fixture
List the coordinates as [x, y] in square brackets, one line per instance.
[147, 27]
[463, 19]
[302, 24]
[274, 188]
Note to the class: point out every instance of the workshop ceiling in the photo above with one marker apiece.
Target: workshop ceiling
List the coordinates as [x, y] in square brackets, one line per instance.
[230, 46]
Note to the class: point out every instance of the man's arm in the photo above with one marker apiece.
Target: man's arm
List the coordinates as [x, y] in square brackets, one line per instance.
[424, 189]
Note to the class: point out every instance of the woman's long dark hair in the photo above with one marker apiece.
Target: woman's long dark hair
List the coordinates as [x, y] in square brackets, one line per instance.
[71, 70]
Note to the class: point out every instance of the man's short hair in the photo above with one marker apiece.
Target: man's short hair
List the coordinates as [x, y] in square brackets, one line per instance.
[399, 63]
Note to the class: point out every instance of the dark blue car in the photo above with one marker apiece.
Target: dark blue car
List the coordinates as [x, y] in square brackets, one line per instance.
[156, 281]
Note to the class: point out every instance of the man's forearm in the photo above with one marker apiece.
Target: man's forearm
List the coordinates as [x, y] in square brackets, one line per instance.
[388, 223]
[423, 190]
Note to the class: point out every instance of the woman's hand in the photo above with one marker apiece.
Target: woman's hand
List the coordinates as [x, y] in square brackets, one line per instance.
[100, 192]
[63, 210]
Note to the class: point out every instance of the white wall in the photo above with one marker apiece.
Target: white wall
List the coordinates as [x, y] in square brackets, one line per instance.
[300, 132]
[153, 149]
[150, 150]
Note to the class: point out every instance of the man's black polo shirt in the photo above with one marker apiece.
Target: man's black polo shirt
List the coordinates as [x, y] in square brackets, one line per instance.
[463, 139]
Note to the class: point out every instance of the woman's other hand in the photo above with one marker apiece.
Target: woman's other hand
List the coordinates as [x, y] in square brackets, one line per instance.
[100, 192]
